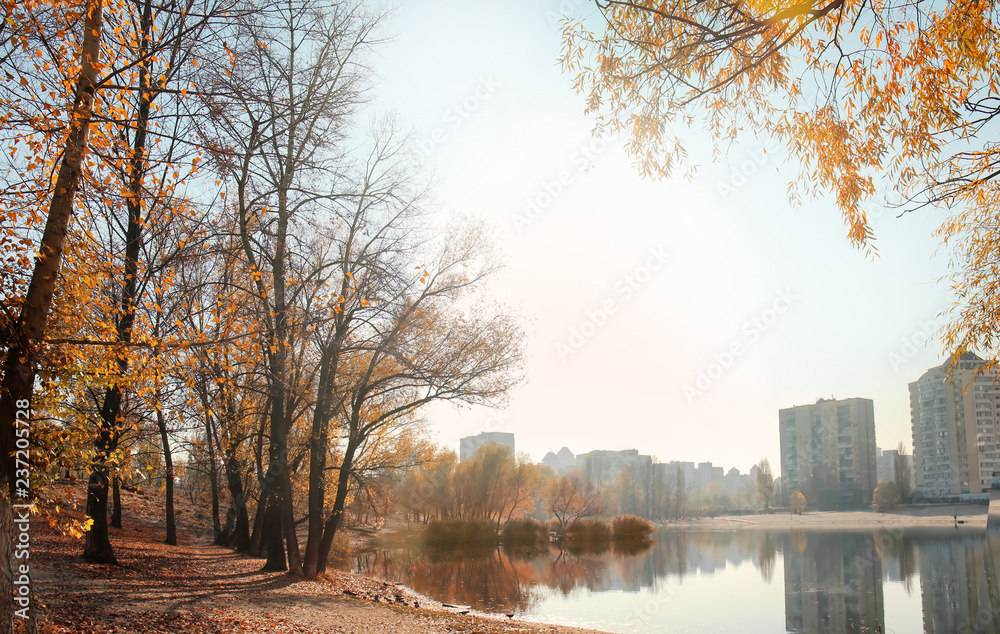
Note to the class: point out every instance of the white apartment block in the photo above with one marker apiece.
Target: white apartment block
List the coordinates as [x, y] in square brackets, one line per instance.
[828, 452]
[954, 420]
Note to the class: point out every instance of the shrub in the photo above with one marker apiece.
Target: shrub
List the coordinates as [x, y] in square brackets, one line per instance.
[588, 530]
[525, 532]
[796, 502]
[630, 527]
[885, 496]
[455, 531]
[340, 549]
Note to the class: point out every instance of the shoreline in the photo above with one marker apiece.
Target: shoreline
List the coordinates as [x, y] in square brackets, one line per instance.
[196, 586]
[956, 516]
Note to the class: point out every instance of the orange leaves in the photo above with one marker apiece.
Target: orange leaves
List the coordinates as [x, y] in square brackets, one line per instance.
[896, 87]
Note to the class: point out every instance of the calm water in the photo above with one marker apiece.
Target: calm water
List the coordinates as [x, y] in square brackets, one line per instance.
[911, 581]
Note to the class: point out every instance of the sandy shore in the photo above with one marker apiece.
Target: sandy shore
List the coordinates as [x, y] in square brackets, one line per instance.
[969, 516]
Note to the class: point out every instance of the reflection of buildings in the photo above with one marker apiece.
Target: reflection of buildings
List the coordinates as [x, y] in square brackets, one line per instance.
[958, 580]
[988, 619]
[833, 583]
[950, 571]
[828, 451]
[470, 444]
[954, 421]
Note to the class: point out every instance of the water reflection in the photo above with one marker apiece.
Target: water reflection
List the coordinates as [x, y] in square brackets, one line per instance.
[833, 584]
[832, 581]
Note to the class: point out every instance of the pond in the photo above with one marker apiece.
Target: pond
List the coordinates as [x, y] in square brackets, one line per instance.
[902, 580]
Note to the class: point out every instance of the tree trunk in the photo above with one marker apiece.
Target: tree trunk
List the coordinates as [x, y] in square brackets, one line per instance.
[213, 476]
[237, 520]
[336, 513]
[288, 524]
[317, 460]
[257, 537]
[98, 547]
[168, 462]
[116, 496]
[272, 530]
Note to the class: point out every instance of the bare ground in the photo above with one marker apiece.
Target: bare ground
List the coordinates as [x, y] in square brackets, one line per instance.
[198, 587]
[960, 516]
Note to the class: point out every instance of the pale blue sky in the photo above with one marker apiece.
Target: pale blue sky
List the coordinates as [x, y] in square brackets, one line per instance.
[499, 127]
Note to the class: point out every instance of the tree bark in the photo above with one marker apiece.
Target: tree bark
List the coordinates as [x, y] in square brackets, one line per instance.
[116, 497]
[272, 530]
[213, 476]
[337, 512]
[257, 536]
[317, 459]
[237, 520]
[98, 547]
[168, 462]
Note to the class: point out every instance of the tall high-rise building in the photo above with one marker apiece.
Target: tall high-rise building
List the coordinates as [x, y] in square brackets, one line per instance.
[468, 446]
[955, 418]
[828, 452]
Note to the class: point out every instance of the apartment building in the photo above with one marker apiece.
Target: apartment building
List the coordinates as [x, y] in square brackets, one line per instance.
[828, 452]
[954, 419]
[468, 446]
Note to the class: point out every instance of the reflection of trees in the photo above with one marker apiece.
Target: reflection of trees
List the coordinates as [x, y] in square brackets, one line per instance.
[567, 571]
[485, 580]
[767, 553]
[896, 548]
[631, 548]
[907, 563]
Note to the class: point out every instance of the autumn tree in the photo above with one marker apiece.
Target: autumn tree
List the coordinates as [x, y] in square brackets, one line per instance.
[874, 100]
[569, 498]
[765, 482]
[429, 342]
[885, 496]
[797, 502]
[425, 493]
[278, 117]
[494, 485]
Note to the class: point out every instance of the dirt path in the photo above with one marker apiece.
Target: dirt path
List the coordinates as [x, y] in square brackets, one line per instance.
[197, 587]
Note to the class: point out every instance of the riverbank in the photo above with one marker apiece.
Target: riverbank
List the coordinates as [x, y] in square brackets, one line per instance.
[196, 587]
[960, 516]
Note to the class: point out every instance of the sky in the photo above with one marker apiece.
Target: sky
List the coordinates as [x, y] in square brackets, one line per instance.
[675, 317]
